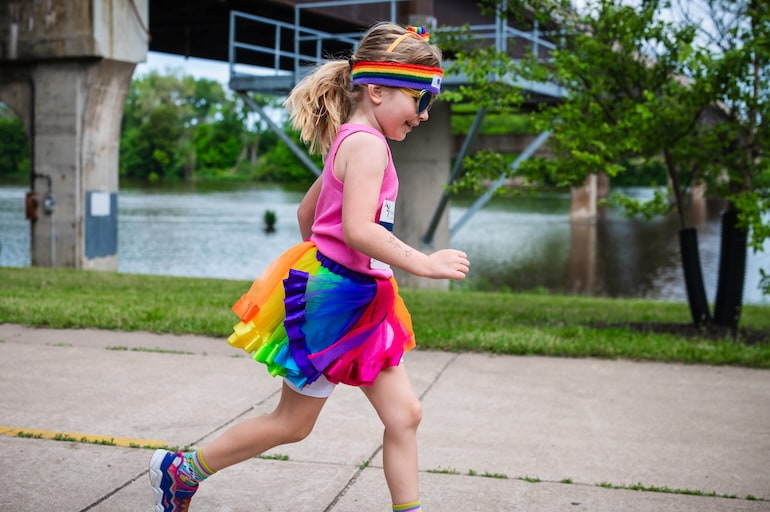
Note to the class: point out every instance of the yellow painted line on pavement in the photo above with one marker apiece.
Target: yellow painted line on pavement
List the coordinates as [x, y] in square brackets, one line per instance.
[81, 438]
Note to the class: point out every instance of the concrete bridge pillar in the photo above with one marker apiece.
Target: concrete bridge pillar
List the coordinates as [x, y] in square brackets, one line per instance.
[583, 200]
[584, 212]
[65, 69]
[423, 162]
[78, 108]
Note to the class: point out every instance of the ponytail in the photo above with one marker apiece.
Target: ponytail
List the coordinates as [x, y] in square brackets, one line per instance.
[320, 103]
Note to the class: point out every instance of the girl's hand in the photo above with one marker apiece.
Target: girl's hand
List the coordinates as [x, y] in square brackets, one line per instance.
[448, 264]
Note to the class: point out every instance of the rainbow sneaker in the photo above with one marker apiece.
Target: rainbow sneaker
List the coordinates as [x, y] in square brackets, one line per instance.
[171, 494]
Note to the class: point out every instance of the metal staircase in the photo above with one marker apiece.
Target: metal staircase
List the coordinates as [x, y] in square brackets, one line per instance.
[294, 49]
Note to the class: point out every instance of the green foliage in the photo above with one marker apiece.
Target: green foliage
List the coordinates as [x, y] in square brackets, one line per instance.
[752, 205]
[480, 168]
[649, 209]
[178, 127]
[640, 173]
[486, 69]
[494, 123]
[14, 146]
[280, 165]
[622, 101]
[159, 115]
[764, 282]
[218, 144]
[643, 87]
[655, 85]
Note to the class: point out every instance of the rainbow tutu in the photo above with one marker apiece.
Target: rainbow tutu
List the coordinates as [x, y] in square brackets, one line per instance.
[308, 316]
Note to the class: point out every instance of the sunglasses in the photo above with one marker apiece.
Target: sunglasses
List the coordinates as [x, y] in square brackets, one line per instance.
[424, 98]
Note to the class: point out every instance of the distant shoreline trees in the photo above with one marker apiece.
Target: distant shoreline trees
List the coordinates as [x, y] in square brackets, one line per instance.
[14, 145]
[180, 128]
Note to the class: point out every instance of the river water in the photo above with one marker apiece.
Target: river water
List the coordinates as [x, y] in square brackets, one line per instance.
[521, 243]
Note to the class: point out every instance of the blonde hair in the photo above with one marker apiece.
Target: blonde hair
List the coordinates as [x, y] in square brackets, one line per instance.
[325, 99]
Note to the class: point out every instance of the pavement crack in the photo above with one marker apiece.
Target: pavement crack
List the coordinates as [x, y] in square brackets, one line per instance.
[115, 491]
[440, 373]
[237, 417]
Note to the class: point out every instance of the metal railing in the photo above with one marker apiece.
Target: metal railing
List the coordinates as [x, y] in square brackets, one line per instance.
[296, 52]
[299, 35]
[502, 34]
[277, 50]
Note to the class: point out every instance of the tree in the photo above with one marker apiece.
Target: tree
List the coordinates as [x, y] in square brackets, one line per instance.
[14, 146]
[154, 119]
[649, 83]
[175, 127]
[219, 143]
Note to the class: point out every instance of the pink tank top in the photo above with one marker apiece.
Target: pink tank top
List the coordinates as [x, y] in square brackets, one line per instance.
[327, 226]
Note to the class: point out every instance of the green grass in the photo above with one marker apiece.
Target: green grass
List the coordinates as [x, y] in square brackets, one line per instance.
[494, 123]
[457, 321]
[66, 298]
[668, 490]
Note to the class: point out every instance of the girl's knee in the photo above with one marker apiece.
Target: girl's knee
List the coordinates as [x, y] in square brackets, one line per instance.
[407, 417]
[415, 413]
[295, 415]
[298, 432]
[292, 429]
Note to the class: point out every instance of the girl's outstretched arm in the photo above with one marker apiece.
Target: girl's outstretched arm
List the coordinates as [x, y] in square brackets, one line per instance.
[360, 164]
[306, 209]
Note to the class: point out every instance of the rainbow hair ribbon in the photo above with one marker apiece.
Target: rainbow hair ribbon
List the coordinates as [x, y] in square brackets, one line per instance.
[420, 31]
[398, 74]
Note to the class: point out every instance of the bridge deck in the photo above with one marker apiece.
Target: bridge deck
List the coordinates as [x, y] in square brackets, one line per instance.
[287, 50]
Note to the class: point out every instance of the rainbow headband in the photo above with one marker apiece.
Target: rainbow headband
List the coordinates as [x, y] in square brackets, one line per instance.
[397, 74]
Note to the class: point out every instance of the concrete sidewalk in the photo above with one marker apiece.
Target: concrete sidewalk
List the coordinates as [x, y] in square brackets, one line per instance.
[498, 434]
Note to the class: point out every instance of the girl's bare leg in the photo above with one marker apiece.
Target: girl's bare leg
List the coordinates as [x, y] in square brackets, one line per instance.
[291, 421]
[400, 411]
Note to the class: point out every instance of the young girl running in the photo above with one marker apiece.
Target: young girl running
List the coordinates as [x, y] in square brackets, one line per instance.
[328, 310]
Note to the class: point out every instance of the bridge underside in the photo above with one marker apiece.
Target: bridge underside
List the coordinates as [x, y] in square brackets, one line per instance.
[200, 28]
